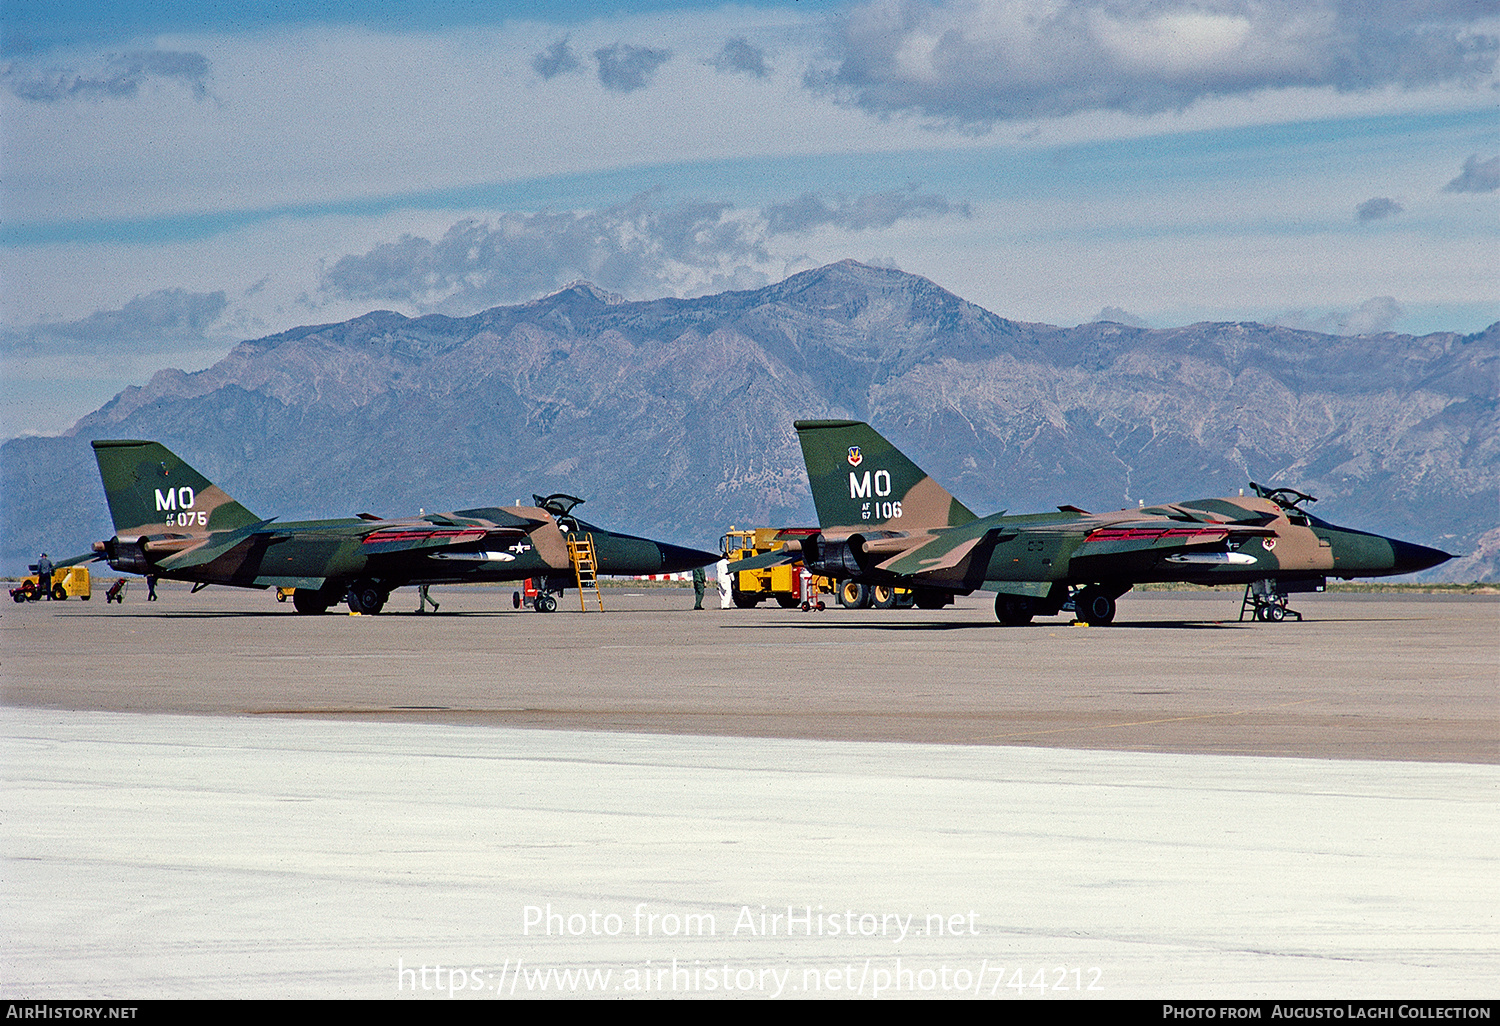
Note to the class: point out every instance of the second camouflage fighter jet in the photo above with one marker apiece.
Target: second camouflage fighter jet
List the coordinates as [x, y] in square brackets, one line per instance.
[172, 522]
[885, 524]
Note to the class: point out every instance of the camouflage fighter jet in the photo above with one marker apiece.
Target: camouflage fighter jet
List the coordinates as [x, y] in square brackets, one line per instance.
[172, 522]
[886, 523]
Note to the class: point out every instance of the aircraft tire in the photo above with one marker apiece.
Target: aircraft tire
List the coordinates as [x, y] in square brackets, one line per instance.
[367, 597]
[1094, 606]
[853, 595]
[882, 596]
[544, 604]
[310, 602]
[1014, 611]
[930, 598]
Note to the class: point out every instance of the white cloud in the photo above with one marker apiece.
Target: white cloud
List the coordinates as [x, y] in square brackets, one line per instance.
[739, 56]
[625, 68]
[976, 62]
[643, 249]
[557, 59]
[1377, 209]
[120, 76]
[1115, 315]
[1371, 317]
[859, 213]
[166, 316]
[1478, 176]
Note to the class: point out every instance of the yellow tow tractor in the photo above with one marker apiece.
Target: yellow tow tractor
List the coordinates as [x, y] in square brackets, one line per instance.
[785, 583]
[69, 582]
[749, 588]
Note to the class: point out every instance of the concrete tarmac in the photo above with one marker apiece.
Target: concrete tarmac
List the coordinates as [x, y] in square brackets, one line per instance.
[201, 856]
[1363, 677]
[350, 799]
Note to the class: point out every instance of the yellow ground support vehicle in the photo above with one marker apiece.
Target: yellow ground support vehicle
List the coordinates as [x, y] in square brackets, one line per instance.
[784, 583]
[751, 587]
[69, 582]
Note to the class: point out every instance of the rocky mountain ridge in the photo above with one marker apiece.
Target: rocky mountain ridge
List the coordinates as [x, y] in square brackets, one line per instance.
[674, 417]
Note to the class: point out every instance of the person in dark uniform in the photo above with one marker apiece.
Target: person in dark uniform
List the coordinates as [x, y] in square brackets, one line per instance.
[150, 587]
[700, 581]
[44, 576]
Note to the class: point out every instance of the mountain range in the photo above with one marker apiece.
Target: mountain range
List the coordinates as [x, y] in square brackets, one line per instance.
[673, 417]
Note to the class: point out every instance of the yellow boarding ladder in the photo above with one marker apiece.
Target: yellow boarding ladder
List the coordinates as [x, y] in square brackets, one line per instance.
[581, 551]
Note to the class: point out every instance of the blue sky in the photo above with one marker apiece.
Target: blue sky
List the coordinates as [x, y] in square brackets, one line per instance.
[183, 176]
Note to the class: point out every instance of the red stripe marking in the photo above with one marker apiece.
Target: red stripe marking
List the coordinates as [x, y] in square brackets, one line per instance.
[1153, 533]
[454, 537]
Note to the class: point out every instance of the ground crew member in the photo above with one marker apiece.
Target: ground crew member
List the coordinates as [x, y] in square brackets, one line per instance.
[44, 576]
[700, 583]
[423, 599]
[721, 574]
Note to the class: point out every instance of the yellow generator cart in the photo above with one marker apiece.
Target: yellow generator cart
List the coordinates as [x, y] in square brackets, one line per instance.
[69, 582]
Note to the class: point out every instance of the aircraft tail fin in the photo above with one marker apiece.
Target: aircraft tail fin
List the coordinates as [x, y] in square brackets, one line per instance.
[859, 479]
[153, 491]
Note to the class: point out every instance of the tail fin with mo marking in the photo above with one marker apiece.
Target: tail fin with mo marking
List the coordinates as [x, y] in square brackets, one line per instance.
[859, 479]
[152, 491]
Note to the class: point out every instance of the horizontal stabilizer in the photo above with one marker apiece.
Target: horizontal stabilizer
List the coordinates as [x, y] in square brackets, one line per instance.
[215, 546]
[947, 551]
[87, 557]
[766, 560]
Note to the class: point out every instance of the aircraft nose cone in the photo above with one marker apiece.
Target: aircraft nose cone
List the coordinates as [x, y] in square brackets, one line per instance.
[675, 559]
[1410, 558]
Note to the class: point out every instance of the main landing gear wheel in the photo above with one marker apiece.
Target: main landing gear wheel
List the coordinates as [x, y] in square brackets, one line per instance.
[367, 597]
[853, 595]
[931, 598]
[1094, 606]
[882, 596]
[1013, 610]
[310, 601]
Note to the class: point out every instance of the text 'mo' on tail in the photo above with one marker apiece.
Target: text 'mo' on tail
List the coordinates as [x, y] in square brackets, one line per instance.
[152, 491]
[859, 479]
